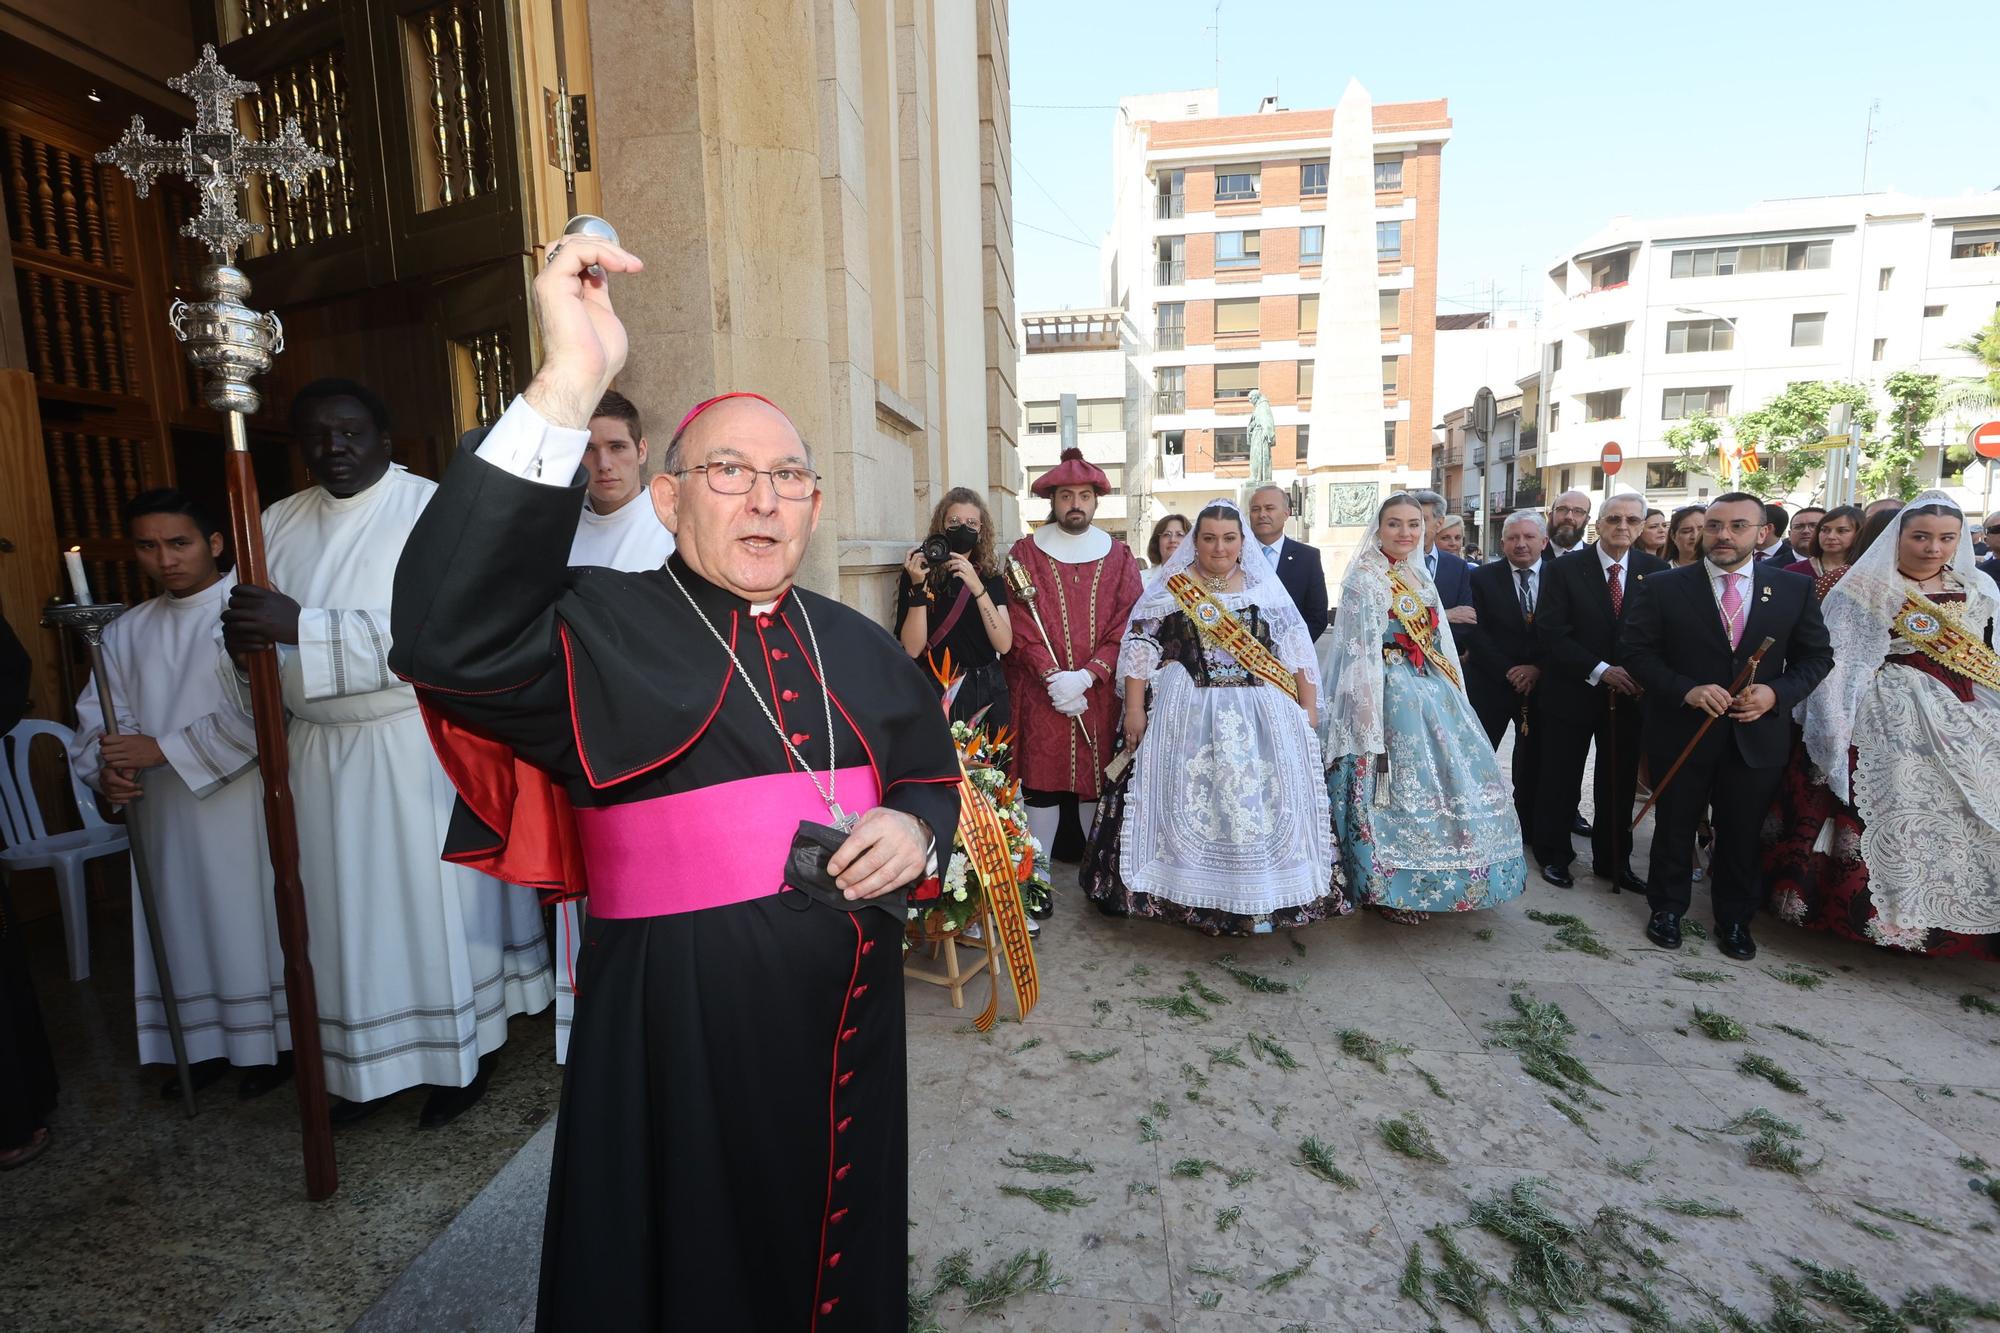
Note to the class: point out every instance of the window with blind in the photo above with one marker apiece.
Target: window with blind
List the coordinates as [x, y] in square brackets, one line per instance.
[1101, 415]
[1236, 316]
[1305, 383]
[1235, 381]
[1309, 314]
[1044, 418]
[1238, 249]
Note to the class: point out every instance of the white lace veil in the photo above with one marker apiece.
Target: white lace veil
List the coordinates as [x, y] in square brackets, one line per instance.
[1351, 708]
[1858, 612]
[1261, 586]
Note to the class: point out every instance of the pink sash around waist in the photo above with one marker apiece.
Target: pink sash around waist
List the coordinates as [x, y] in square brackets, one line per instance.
[708, 848]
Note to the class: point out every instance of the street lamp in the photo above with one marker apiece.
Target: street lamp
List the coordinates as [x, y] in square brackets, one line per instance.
[1736, 455]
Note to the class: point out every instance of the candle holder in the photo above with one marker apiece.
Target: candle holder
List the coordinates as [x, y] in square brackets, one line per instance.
[89, 622]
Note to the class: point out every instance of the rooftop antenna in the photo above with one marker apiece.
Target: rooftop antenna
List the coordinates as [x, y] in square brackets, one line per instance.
[1215, 30]
[1868, 142]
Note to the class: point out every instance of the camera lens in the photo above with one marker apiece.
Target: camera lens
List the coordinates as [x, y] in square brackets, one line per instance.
[937, 550]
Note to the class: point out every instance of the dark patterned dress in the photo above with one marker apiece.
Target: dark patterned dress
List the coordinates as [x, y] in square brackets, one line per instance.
[1816, 876]
[1194, 740]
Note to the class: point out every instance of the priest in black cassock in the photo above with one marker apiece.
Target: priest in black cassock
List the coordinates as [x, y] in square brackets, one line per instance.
[732, 1150]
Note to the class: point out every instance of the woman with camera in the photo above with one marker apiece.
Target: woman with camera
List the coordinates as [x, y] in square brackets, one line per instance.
[950, 599]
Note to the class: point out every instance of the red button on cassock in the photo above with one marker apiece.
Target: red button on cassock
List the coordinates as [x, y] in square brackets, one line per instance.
[849, 1034]
[867, 946]
[779, 654]
[860, 990]
[841, 1174]
[835, 1217]
[845, 1121]
[826, 1307]
[833, 1260]
[844, 1077]
[800, 738]
[789, 695]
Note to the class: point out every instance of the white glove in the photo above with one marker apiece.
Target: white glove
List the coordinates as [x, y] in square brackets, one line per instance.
[1076, 707]
[1068, 686]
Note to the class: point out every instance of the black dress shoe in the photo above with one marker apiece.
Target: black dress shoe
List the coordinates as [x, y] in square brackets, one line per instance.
[340, 1111]
[260, 1079]
[1664, 930]
[1580, 827]
[1624, 880]
[1558, 876]
[1735, 942]
[445, 1105]
[201, 1073]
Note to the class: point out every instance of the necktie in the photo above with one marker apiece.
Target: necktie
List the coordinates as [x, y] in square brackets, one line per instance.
[1431, 564]
[1732, 608]
[1526, 578]
[1271, 554]
[1616, 584]
[1756, 559]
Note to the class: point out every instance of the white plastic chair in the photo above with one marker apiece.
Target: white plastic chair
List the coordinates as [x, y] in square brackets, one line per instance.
[30, 845]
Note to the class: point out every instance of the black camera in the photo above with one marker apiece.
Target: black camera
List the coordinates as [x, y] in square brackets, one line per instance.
[937, 550]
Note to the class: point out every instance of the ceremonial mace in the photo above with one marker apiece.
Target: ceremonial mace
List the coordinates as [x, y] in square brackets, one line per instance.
[1743, 680]
[89, 619]
[1024, 588]
[232, 343]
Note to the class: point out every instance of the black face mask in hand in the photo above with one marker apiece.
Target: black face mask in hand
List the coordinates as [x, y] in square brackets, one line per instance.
[962, 538]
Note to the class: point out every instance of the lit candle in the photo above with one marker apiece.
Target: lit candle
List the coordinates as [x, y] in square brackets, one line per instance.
[79, 586]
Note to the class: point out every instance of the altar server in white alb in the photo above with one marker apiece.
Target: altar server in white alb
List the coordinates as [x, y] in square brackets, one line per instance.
[419, 963]
[185, 767]
[619, 529]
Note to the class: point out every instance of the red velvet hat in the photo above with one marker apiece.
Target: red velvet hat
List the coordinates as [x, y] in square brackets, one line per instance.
[1072, 471]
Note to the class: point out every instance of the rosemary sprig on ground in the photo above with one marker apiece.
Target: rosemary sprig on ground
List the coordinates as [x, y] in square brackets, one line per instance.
[1802, 975]
[1408, 1136]
[1227, 1218]
[1002, 1113]
[1978, 1004]
[1719, 1025]
[1049, 1198]
[1253, 981]
[1148, 1131]
[1751, 1065]
[1178, 1005]
[1203, 990]
[1196, 1080]
[1193, 1168]
[1046, 1163]
[1701, 975]
[1093, 1057]
[1572, 932]
[1636, 1168]
[1267, 1047]
[1875, 1229]
[1317, 1158]
[1028, 1045]
[1211, 1271]
[1697, 1208]
[1028, 1272]
[1843, 1289]
[1539, 1034]
[1571, 1114]
[1355, 1042]
[1801, 1034]
[1208, 1300]
[1231, 1055]
[1944, 1310]
[1279, 1281]
[1905, 1215]
[1483, 933]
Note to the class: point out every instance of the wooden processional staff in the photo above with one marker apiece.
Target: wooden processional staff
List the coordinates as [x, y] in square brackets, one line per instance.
[231, 344]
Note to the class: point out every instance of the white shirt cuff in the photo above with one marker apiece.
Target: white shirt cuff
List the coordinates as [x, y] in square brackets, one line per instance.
[1598, 674]
[526, 444]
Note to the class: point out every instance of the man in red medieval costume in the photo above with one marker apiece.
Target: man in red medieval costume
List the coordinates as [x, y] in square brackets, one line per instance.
[1061, 686]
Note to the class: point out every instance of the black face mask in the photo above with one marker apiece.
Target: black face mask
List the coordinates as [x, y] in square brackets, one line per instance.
[962, 538]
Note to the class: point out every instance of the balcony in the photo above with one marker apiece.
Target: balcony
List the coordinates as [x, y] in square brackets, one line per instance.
[1169, 402]
[1169, 272]
[1170, 206]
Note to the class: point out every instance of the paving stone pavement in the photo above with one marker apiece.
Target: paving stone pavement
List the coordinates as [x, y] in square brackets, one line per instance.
[1906, 1082]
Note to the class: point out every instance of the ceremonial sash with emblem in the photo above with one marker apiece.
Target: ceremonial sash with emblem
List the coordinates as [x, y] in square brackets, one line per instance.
[1925, 626]
[1407, 605]
[985, 843]
[1220, 627]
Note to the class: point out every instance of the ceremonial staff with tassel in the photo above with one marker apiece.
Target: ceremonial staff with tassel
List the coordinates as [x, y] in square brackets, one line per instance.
[232, 344]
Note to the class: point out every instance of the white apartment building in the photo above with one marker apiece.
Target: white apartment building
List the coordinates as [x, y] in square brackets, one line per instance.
[1649, 322]
[1087, 354]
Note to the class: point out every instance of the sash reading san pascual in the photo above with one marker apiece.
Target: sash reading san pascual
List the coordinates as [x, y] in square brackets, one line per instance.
[1923, 624]
[1407, 605]
[1220, 626]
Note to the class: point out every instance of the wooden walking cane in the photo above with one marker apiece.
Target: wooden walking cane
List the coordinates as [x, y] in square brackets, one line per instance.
[1611, 755]
[1742, 683]
[232, 344]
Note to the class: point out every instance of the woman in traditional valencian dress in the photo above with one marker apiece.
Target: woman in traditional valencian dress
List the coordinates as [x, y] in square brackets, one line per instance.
[1831, 548]
[1220, 820]
[1896, 835]
[1424, 820]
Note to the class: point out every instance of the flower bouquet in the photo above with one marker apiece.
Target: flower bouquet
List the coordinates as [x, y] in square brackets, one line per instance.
[961, 899]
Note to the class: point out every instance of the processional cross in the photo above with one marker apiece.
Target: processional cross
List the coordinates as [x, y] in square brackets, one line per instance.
[233, 343]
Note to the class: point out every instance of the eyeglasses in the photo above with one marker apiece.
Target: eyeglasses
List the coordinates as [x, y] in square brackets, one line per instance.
[1715, 527]
[791, 483]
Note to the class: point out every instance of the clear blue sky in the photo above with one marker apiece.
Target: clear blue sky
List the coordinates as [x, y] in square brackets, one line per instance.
[1564, 114]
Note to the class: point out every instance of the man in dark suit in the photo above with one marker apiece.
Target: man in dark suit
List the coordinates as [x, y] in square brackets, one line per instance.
[1991, 565]
[1588, 695]
[1298, 564]
[1503, 673]
[1774, 548]
[1451, 574]
[1689, 634]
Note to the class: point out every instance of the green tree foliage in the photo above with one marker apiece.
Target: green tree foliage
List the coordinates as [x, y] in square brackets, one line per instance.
[1889, 464]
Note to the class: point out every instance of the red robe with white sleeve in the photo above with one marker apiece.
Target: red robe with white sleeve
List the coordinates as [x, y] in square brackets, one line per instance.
[1086, 585]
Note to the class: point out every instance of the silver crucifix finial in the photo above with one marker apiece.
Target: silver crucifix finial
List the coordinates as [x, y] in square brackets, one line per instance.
[215, 156]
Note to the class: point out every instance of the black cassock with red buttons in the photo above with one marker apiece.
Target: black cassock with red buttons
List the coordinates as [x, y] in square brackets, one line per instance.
[732, 1152]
